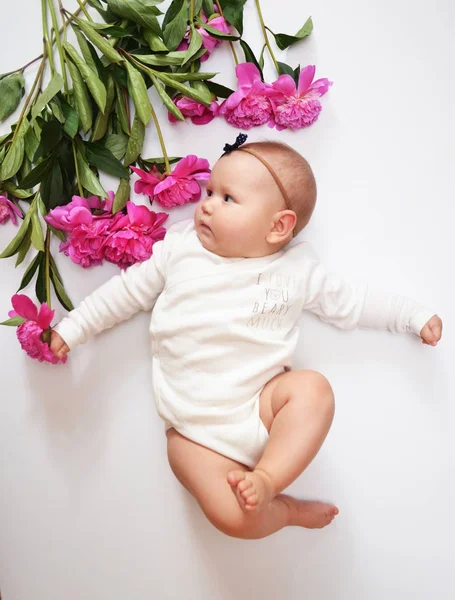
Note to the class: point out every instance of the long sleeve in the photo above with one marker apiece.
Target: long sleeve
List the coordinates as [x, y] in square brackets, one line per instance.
[347, 305]
[134, 289]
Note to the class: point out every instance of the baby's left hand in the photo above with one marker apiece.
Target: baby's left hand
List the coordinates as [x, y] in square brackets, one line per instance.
[431, 332]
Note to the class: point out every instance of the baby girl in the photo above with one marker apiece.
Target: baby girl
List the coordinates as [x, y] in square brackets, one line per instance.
[227, 292]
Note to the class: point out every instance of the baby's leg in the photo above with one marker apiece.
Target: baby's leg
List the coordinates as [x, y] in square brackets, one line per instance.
[297, 409]
[203, 473]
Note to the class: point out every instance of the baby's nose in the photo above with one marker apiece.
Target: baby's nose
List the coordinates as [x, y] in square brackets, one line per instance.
[206, 206]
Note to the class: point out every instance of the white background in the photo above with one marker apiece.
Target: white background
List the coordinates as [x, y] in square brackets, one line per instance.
[89, 508]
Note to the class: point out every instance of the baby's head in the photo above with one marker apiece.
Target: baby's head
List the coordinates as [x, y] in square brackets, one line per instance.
[245, 211]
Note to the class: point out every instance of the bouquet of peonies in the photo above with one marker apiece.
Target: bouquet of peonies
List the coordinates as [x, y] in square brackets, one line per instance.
[80, 124]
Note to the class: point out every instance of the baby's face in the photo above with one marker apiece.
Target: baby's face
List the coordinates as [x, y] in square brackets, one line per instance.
[241, 203]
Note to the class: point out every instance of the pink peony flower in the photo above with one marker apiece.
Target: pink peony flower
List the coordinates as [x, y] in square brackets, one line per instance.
[176, 188]
[131, 236]
[250, 105]
[299, 107]
[8, 209]
[79, 212]
[199, 113]
[30, 333]
[208, 41]
[85, 244]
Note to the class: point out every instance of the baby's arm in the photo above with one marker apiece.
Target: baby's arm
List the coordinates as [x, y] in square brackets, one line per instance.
[348, 305]
[134, 289]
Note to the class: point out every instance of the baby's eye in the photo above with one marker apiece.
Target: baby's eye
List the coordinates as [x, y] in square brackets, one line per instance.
[209, 192]
[227, 196]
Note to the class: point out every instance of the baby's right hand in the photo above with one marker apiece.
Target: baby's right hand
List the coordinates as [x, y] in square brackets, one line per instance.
[57, 345]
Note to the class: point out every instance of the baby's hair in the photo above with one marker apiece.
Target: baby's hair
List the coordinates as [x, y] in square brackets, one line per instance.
[295, 175]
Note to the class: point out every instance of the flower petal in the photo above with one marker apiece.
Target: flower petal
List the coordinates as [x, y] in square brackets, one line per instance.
[24, 307]
[305, 78]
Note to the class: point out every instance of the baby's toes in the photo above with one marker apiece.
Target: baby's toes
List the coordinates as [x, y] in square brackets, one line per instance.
[252, 500]
[245, 485]
[249, 492]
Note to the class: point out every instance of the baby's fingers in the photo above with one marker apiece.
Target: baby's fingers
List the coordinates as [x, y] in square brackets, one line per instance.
[57, 345]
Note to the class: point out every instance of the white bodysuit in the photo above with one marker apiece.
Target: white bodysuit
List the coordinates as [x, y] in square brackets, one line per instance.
[221, 328]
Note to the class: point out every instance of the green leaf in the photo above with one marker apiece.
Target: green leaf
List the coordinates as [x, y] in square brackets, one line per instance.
[216, 33]
[135, 142]
[71, 125]
[154, 42]
[121, 196]
[85, 48]
[102, 118]
[202, 88]
[285, 69]
[81, 98]
[88, 179]
[195, 44]
[54, 86]
[13, 160]
[37, 174]
[102, 158]
[30, 271]
[138, 91]
[159, 160]
[183, 89]
[40, 285]
[163, 60]
[221, 91]
[249, 56]
[15, 191]
[56, 109]
[13, 246]
[50, 136]
[197, 76]
[283, 40]
[51, 188]
[167, 100]
[141, 12]
[58, 287]
[117, 143]
[94, 83]
[14, 321]
[113, 30]
[207, 5]
[37, 231]
[25, 245]
[120, 111]
[175, 30]
[233, 13]
[172, 11]
[97, 40]
[261, 57]
[11, 92]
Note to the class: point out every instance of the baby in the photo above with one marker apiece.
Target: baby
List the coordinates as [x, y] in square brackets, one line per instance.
[227, 292]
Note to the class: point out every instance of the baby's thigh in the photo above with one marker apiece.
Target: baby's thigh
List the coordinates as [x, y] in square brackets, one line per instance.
[203, 472]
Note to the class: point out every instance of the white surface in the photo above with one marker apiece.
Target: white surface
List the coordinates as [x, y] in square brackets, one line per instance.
[89, 508]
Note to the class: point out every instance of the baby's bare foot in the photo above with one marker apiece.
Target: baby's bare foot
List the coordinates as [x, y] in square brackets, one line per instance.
[309, 513]
[253, 490]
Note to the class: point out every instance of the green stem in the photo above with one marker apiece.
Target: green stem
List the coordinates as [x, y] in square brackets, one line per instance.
[59, 44]
[160, 136]
[266, 39]
[46, 35]
[231, 44]
[47, 266]
[84, 10]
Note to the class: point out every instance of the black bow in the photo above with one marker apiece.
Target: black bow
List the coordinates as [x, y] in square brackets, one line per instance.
[241, 138]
